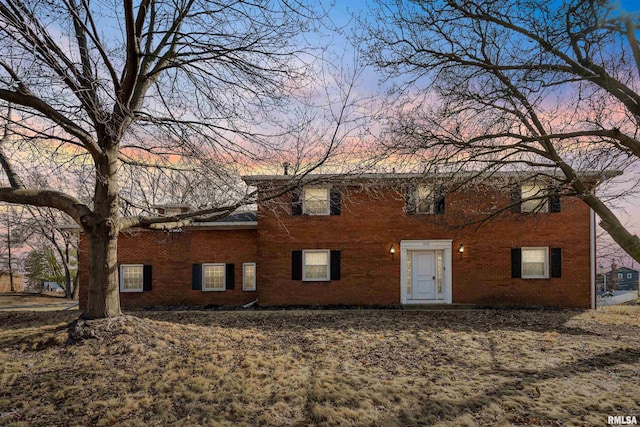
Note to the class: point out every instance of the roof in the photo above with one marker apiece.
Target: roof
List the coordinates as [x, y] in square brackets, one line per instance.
[236, 221]
[258, 179]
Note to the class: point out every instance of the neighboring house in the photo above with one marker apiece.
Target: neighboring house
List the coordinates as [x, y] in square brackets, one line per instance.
[620, 278]
[5, 282]
[372, 240]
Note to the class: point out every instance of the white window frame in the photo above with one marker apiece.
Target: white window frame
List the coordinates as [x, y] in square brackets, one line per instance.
[534, 205]
[304, 265]
[428, 191]
[125, 266]
[629, 276]
[224, 277]
[248, 286]
[304, 200]
[546, 262]
[620, 276]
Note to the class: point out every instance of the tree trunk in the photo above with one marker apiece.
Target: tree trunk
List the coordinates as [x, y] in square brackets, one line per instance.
[76, 287]
[68, 291]
[104, 290]
[102, 234]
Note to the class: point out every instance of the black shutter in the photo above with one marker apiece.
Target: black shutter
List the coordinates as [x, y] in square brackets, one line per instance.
[554, 203]
[516, 199]
[556, 262]
[335, 265]
[439, 204]
[296, 202]
[229, 276]
[410, 199]
[296, 265]
[335, 200]
[196, 277]
[146, 278]
[516, 263]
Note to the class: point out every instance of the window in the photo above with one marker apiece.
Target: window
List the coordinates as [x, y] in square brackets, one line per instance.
[249, 276]
[620, 275]
[424, 198]
[315, 265]
[534, 192]
[131, 278]
[535, 263]
[213, 277]
[316, 200]
[629, 275]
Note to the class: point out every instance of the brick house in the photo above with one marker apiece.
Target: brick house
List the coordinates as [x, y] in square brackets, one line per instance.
[377, 239]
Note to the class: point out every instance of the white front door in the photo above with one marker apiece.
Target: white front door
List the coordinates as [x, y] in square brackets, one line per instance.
[424, 275]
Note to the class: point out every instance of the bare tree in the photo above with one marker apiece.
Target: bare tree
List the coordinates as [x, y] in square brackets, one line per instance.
[551, 87]
[46, 229]
[198, 86]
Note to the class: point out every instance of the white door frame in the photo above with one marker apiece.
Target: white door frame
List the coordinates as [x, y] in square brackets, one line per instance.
[427, 245]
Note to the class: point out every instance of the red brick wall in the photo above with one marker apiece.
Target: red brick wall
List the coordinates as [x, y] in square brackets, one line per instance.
[370, 223]
[171, 256]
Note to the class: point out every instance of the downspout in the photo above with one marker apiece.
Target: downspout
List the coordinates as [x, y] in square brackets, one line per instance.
[592, 250]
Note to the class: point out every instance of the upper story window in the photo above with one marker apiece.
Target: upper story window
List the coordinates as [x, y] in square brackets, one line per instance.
[620, 276]
[629, 275]
[316, 200]
[424, 198]
[534, 198]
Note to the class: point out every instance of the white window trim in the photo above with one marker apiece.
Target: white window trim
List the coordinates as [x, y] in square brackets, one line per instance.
[629, 276]
[546, 263]
[304, 200]
[304, 265]
[122, 267]
[224, 277]
[244, 277]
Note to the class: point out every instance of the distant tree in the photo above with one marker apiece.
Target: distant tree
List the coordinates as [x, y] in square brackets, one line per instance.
[47, 229]
[108, 88]
[548, 86]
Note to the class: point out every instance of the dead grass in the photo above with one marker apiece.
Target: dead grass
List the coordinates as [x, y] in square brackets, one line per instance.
[378, 368]
[36, 302]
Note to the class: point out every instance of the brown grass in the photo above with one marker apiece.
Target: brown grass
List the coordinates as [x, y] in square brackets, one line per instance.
[381, 368]
[33, 302]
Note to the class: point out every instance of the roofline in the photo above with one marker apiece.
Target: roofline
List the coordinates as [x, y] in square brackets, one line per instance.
[226, 225]
[257, 179]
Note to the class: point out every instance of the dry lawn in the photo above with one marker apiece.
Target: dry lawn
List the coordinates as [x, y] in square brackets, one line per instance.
[370, 368]
[36, 302]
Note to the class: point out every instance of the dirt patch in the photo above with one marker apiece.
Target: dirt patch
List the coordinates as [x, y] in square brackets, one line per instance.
[359, 367]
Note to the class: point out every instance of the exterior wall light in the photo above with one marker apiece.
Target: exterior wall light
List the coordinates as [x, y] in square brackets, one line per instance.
[461, 250]
[392, 250]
